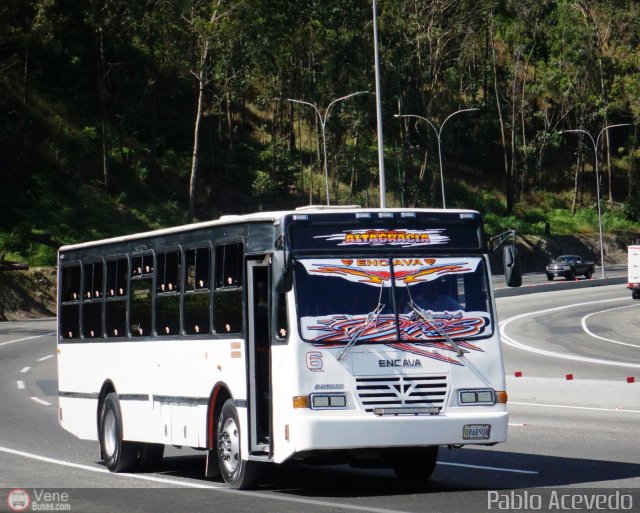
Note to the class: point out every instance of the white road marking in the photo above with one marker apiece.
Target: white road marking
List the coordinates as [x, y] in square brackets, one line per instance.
[46, 358]
[583, 322]
[26, 338]
[96, 469]
[591, 408]
[513, 470]
[40, 401]
[514, 343]
[20, 384]
[25, 369]
[221, 488]
[218, 488]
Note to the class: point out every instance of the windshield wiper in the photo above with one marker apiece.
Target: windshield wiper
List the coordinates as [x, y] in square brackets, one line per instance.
[429, 318]
[371, 316]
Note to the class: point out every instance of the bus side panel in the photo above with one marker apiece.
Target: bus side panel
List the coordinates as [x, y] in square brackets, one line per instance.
[185, 381]
[74, 413]
[79, 384]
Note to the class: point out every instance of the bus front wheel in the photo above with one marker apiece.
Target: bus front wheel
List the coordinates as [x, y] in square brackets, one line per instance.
[237, 473]
[118, 455]
[416, 466]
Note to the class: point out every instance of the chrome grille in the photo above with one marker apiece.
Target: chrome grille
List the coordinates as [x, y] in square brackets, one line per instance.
[398, 391]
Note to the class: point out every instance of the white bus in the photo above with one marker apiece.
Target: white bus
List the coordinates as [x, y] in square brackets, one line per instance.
[340, 335]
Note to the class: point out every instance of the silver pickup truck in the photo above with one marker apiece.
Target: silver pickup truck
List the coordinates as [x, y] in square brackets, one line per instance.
[570, 266]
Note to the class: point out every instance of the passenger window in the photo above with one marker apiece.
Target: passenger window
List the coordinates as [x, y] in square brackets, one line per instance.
[70, 283]
[116, 318]
[141, 265]
[198, 262]
[70, 298]
[168, 315]
[196, 313]
[229, 265]
[141, 295]
[117, 278]
[70, 321]
[115, 311]
[227, 295]
[93, 274]
[92, 319]
[168, 272]
[197, 296]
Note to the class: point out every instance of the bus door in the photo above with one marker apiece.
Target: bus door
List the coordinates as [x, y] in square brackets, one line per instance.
[259, 357]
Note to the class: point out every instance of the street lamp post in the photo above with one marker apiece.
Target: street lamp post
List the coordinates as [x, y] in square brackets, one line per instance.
[323, 122]
[438, 132]
[595, 154]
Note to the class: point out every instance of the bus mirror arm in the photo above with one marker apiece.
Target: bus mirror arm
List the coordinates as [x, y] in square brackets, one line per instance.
[510, 257]
[282, 268]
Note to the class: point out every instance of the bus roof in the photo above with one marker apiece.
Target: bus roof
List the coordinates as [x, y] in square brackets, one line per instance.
[255, 217]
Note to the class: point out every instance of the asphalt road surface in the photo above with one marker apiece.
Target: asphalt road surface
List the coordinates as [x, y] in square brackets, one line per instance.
[577, 438]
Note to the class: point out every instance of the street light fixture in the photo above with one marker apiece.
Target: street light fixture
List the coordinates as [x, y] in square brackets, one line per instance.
[438, 132]
[595, 153]
[323, 122]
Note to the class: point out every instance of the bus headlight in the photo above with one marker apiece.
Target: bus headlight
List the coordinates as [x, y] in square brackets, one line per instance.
[477, 396]
[328, 401]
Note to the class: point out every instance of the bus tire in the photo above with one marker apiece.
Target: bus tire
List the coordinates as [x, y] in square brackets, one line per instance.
[236, 472]
[150, 458]
[417, 466]
[118, 455]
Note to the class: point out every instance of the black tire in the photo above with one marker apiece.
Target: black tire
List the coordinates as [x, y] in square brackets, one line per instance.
[236, 472]
[150, 457]
[417, 466]
[635, 294]
[571, 276]
[588, 274]
[550, 277]
[118, 455]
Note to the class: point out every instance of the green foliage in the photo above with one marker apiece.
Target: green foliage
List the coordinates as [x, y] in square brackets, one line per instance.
[631, 209]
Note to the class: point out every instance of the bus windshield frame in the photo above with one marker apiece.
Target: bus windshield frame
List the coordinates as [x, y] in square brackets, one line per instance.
[415, 300]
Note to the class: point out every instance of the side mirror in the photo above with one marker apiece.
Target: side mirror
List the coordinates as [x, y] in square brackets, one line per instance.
[512, 266]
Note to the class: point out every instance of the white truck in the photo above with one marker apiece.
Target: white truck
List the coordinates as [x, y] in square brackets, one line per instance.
[633, 281]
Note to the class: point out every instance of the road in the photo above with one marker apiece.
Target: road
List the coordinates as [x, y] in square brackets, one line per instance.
[569, 435]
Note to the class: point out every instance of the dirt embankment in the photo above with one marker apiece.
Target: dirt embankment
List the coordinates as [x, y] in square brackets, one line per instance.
[31, 294]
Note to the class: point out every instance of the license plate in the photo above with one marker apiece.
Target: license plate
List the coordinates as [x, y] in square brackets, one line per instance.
[476, 431]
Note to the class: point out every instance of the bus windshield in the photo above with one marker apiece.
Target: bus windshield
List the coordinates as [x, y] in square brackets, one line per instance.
[404, 299]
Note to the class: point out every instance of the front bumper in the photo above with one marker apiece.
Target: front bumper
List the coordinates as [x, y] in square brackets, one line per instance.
[329, 431]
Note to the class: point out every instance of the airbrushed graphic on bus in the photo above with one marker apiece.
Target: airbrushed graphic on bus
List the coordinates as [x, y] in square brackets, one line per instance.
[365, 270]
[335, 331]
[408, 331]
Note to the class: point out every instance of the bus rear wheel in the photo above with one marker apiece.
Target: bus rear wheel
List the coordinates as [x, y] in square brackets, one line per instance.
[118, 455]
[418, 465]
[237, 473]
